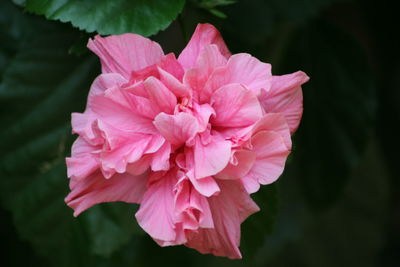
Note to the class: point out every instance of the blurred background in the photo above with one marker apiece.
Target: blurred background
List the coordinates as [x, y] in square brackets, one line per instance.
[338, 201]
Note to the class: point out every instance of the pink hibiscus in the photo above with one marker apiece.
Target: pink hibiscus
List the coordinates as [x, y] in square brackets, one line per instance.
[188, 139]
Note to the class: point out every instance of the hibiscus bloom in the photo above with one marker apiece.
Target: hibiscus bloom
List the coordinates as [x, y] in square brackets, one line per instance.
[187, 138]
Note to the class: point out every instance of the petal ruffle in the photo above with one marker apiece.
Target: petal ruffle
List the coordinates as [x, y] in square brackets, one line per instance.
[235, 106]
[243, 69]
[204, 35]
[208, 60]
[229, 209]
[275, 122]
[120, 116]
[83, 161]
[125, 53]
[286, 97]
[192, 208]
[156, 212]
[271, 153]
[241, 164]
[210, 157]
[160, 96]
[177, 129]
[95, 189]
[104, 82]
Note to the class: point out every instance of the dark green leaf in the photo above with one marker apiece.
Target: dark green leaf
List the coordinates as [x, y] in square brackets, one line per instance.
[145, 17]
[339, 108]
[218, 13]
[349, 233]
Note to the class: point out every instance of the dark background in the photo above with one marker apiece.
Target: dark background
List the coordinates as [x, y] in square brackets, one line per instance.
[338, 201]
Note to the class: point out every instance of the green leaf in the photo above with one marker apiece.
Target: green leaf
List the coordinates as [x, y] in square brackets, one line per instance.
[217, 13]
[339, 108]
[145, 17]
[111, 226]
[350, 233]
[41, 85]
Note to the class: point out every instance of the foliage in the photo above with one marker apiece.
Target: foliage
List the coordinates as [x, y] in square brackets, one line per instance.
[145, 17]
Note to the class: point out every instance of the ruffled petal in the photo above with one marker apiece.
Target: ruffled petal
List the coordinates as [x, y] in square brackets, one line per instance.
[235, 106]
[229, 209]
[209, 60]
[241, 164]
[244, 69]
[210, 157]
[176, 129]
[274, 122]
[84, 124]
[124, 147]
[168, 64]
[171, 65]
[286, 97]
[159, 95]
[203, 114]
[125, 53]
[160, 159]
[204, 35]
[271, 154]
[120, 116]
[207, 186]
[192, 208]
[156, 212]
[83, 161]
[174, 85]
[95, 189]
[104, 82]
[140, 166]
[141, 105]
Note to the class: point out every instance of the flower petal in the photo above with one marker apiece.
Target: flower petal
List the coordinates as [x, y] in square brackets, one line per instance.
[205, 34]
[120, 116]
[82, 162]
[271, 153]
[243, 162]
[176, 129]
[235, 106]
[168, 64]
[160, 159]
[104, 82]
[244, 69]
[229, 209]
[207, 186]
[274, 122]
[95, 189]
[140, 166]
[171, 65]
[125, 53]
[192, 208]
[286, 97]
[156, 212]
[212, 157]
[203, 113]
[173, 84]
[124, 147]
[160, 96]
[208, 60]
[84, 124]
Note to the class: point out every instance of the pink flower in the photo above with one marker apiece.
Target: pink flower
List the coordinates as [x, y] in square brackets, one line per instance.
[188, 139]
